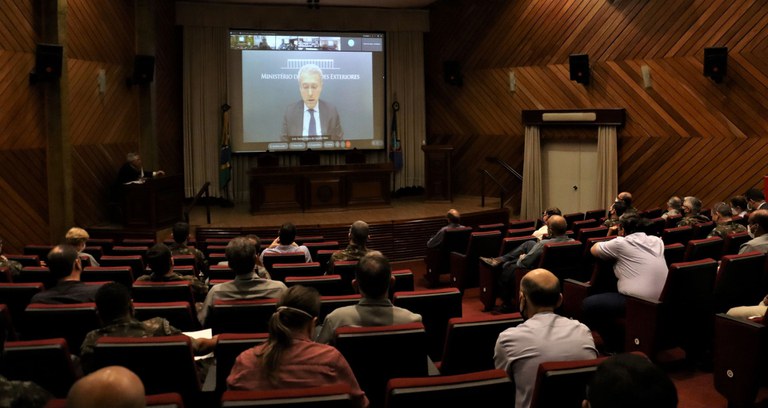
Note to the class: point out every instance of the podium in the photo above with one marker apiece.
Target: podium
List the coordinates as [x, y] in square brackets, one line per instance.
[438, 168]
[157, 202]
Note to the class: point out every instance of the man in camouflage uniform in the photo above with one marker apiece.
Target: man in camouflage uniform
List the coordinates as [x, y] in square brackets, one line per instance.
[691, 216]
[179, 247]
[626, 196]
[618, 208]
[160, 261]
[674, 207]
[115, 308]
[358, 238]
[722, 215]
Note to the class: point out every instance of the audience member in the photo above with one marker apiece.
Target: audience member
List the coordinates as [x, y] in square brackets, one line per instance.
[617, 210]
[630, 381]
[20, 393]
[180, 247]
[65, 267]
[691, 209]
[758, 230]
[755, 199]
[544, 336]
[454, 221]
[14, 266]
[289, 358]
[722, 215]
[739, 206]
[160, 262]
[259, 267]
[373, 278]
[113, 386]
[133, 170]
[674, 207]
[526, 255]
[626, 197]
[115, 309]
[242, 255]
[78, 237]
[543, 231]
[285, 243]
[639, 266]
[358, 238]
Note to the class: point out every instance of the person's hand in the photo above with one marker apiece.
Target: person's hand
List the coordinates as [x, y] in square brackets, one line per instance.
[158, 173]
[3, 258]
[275, 243]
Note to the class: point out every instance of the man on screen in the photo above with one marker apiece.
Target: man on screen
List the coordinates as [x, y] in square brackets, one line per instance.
[311, 118]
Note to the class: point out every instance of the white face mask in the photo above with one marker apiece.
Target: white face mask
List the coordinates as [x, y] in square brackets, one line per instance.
[750, 232]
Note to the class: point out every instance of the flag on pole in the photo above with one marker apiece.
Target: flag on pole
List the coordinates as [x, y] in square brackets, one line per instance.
[396, 153]
[225, 152]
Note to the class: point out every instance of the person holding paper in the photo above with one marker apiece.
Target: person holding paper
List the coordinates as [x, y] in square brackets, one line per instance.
[133, 170]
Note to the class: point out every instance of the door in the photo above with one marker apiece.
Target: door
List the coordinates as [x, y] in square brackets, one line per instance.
[569, 175]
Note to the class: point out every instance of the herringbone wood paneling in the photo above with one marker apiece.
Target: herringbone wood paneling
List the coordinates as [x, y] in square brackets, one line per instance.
[687, 135]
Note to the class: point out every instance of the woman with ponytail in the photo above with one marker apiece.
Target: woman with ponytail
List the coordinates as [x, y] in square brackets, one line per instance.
[289, 358]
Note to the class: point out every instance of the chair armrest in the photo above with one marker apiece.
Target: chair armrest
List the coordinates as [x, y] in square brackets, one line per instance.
[738, 359]
[642, 320]
[574, 293]
[432, 260]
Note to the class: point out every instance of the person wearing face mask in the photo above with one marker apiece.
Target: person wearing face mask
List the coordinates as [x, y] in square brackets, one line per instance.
[721, 214]
[755, 200]
[757, 228]
[544, 336]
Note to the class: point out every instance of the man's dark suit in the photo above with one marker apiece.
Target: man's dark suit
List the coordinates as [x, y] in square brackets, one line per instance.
[293, 121]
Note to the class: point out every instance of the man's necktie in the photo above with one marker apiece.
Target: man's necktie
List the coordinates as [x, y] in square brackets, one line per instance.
[312, 123]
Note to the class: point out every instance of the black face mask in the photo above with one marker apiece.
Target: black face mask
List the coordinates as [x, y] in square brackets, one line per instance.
[522, 308]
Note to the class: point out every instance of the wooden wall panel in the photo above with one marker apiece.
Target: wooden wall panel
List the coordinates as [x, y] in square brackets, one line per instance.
[686, 135]
[168, 95]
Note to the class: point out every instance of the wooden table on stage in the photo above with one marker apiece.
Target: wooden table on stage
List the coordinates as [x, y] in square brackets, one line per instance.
[155, 203]
[308, 188]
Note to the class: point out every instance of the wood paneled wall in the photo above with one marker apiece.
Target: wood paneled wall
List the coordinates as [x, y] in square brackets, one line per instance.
[687, 135]
[103, 127]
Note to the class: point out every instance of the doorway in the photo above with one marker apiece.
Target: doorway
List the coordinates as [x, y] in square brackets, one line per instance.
[569, 175]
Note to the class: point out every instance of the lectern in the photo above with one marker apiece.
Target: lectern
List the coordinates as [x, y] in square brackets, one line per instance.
[437, 160]
[156, 202]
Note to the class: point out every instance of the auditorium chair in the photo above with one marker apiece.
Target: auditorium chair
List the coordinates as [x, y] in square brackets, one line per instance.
[6, 323]
[702, 229]
[521, 232]
[470, 341]
[316, 246]
[95, 251]
[24, 260]
[570, 218]
[324, 258]
[214, 258]
[733, 242]
[681, 317]
[220, 272]
[461, 390]
[740, 281]
[404, 282]
[672, 220]
[173, 291]
[126, 250]
[136, 262]
[5, 274]
[657, 226]
[16, 297]
[563, 383]
[331, 303]
[165, 400]
[228, 347]
[206, 244]
[40, 274]
[119, 274]
[328, 396]
[578, 225]
[106, 244]
[164, 364]
[499, 226]
[674, 253]
[270, 259]
[564, 259]
[214, 248]
[345, 269]
[377, 354]
[280, 271]
[40, 250]
[303, 240]
[326, 285]
[70, 321]
[574, 291]
[436, 307]
[47, 362]
[241, 316]
[488, 276]
[703, 248]
[517, 224]
[677, 235]
[181, 315]
[595, 214]
[652, 213]
[464, 266]
[741, 220]
[739, 359]
[438, 259]
[591, 232]
[184, 260]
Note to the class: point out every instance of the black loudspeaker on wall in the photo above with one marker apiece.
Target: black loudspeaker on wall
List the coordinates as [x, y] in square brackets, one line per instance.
[579, 66]
[716, 63]
[452, 73]
[143, 70]
[48, 59]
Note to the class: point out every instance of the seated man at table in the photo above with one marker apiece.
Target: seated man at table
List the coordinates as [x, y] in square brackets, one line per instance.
[133, 170]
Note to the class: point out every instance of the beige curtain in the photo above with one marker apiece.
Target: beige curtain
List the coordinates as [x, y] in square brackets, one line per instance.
[530, 206]
[405, 53]
[607, 165]
[205, 90]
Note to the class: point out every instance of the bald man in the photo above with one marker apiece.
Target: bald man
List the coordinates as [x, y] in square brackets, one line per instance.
[112, 386]
[544, 336]
[358, 238]
[454, 221]
[526, 255]
[626, 196]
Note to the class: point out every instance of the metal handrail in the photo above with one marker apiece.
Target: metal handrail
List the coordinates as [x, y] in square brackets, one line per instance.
[502, 189]
[203, 190]
[506, 166]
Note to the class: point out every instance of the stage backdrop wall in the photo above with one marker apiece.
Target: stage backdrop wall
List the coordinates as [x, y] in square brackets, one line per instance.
[685, 135]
